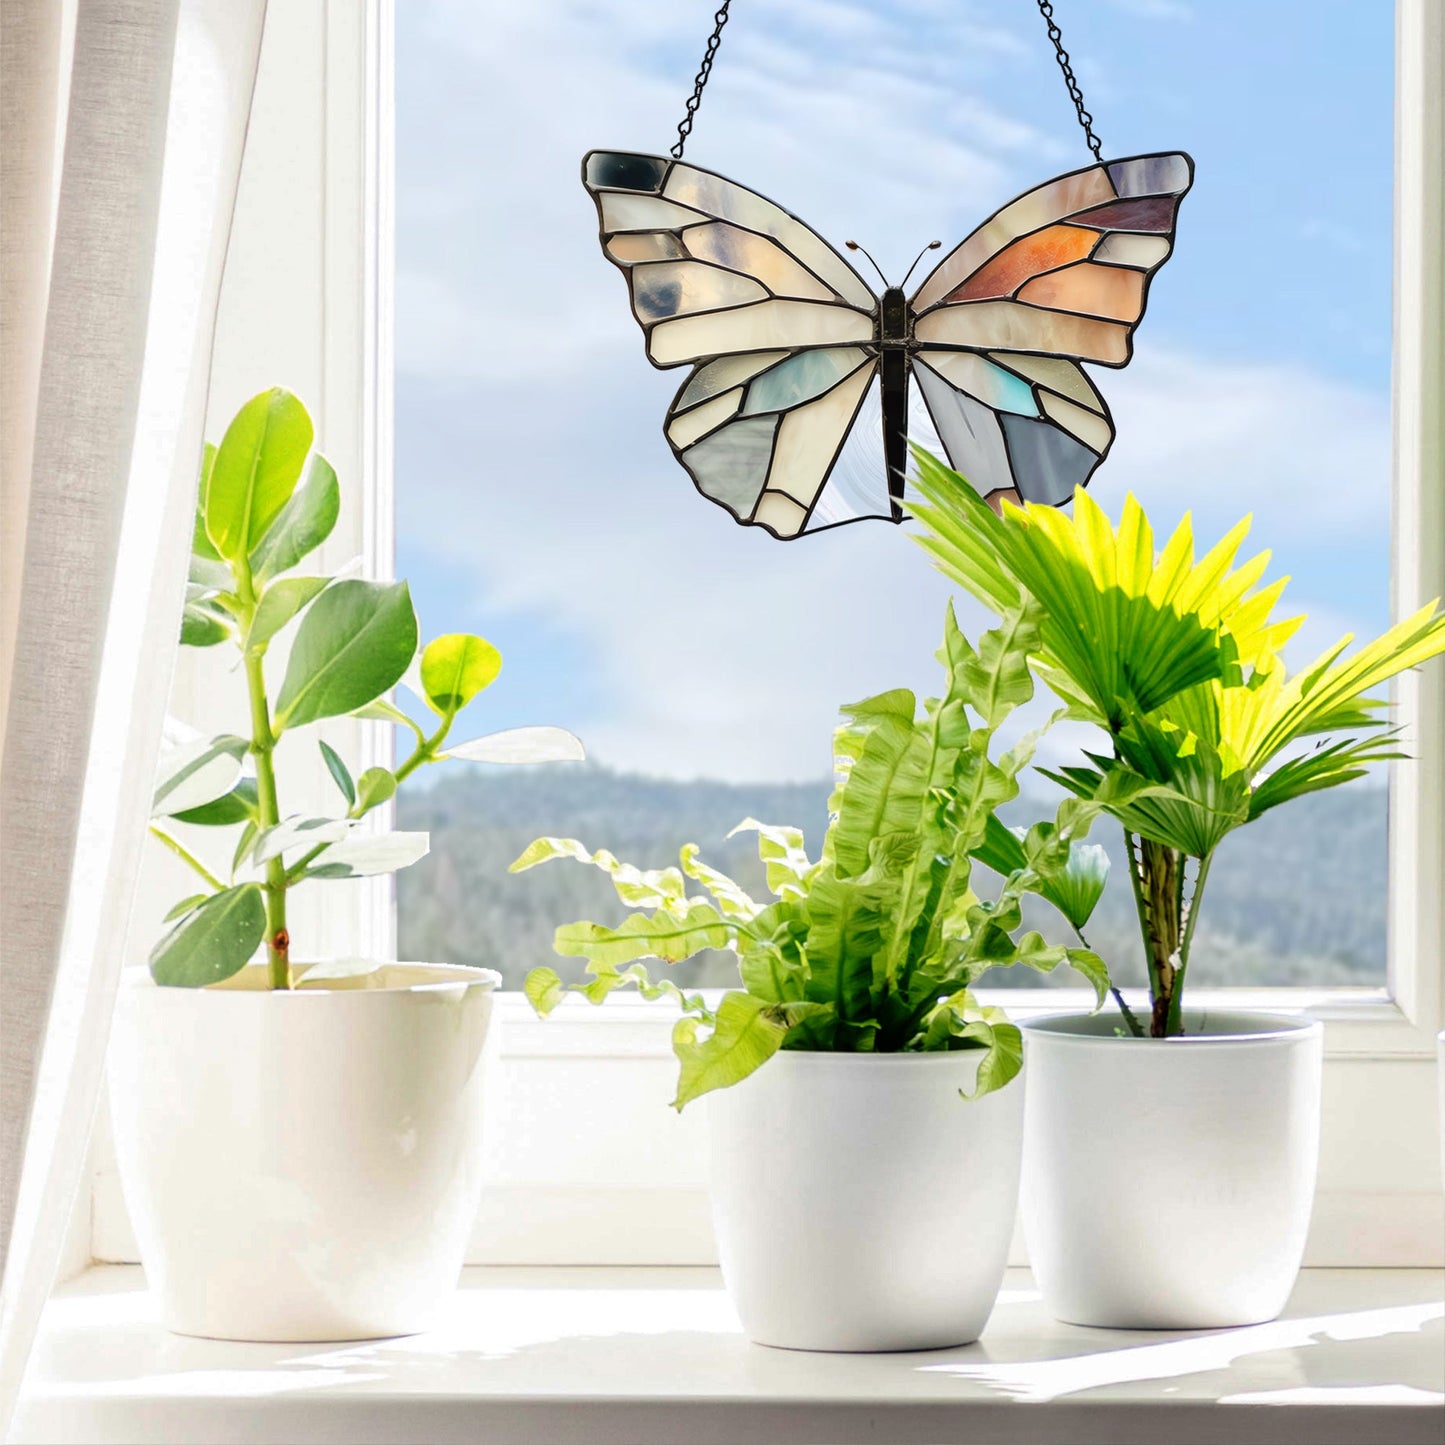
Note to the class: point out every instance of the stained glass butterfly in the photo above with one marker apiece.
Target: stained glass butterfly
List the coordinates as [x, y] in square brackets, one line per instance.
[786, 339]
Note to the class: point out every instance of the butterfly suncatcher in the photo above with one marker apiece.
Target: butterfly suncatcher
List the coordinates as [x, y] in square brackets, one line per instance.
[786, 340]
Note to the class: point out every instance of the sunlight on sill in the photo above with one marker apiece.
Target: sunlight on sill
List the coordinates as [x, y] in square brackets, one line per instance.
[1039, 1381]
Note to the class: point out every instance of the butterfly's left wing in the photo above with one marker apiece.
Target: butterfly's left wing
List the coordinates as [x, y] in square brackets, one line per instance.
[776, 323]
[1058, 276]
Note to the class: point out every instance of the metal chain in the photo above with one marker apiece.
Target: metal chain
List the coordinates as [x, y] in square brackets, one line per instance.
[1046, 9]
[684, 128]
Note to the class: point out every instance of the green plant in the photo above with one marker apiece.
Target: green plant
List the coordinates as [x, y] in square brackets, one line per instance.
[1179, 664]
[877, 945]
[354, 641]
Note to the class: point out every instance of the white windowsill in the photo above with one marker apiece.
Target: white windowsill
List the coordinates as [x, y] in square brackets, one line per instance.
[654, 1356]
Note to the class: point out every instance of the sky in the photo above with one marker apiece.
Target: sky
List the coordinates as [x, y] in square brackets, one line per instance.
[537, 501]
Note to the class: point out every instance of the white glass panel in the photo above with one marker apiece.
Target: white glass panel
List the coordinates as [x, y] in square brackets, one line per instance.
[684, 430]
[732, 202]
[991, 384]
[675, 288]
[810, 437]
[643, 213]
[1065, 377]
[757, 256]
[723, 373]
[1124, 248]
[780, 513]
[1088, 426]
[1010, 326]
[767, 324]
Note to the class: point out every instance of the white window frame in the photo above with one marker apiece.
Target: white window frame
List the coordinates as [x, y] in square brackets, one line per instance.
[589, 1166]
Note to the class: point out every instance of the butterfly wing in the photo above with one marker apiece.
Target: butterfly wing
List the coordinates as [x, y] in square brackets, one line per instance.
[1058, 276]
[778, 326]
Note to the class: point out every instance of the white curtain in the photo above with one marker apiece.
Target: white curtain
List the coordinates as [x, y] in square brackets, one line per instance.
[122, 125]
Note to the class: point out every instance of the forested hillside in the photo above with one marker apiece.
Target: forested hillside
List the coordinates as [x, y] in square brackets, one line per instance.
[1298, 897]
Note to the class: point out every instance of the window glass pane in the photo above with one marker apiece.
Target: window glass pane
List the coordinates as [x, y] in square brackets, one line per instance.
[539, 503]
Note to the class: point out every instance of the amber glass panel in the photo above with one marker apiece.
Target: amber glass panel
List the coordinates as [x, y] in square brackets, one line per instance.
[1026, 258]
[1112, 291]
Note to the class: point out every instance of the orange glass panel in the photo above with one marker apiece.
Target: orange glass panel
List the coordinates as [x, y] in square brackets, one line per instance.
[1026, 258]
[1088, 290]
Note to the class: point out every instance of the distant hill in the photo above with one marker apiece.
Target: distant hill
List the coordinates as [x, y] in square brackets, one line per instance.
[1296, 898]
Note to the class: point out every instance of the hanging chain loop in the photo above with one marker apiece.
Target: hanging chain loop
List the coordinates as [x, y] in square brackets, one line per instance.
[1046, 9]
[1086, 120]
[684, 128]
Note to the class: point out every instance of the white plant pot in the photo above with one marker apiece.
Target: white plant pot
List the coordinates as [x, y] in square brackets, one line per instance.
[860, 1203]
[302, 1165]
[1168, 1182]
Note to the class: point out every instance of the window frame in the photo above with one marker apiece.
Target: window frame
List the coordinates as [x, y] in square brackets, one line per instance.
[549, 1207]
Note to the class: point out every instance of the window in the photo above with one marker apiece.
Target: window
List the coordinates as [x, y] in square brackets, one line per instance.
[703, 663]
[587, 1163]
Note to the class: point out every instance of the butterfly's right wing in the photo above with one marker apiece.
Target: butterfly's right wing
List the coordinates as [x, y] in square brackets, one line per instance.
[778, 326]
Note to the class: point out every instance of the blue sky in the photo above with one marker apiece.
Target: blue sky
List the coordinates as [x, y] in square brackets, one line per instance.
[537, 501]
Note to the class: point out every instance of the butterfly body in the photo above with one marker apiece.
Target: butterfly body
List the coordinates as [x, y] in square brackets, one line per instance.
[895, 336]
[786, 340]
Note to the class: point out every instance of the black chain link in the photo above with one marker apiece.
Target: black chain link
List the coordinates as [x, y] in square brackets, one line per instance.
[1046, 9]
[684, 128]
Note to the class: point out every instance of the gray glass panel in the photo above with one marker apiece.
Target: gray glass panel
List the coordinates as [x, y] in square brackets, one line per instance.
[1150, 176]
[969, 431]
[732, 464]
[624, 171]
[723, 374]
[1048, 463]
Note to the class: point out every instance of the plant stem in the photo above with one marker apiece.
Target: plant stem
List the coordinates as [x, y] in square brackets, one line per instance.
[263, 748]
[1176, 1021]
[186, 856]
[1133, 1023]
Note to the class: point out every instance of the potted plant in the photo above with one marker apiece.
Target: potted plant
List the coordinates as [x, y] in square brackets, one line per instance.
[298, 1142]
[1170, 1169]
[864, 1150]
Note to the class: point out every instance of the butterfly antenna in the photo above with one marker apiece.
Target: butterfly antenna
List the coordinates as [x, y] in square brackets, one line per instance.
[931, 246]
[854, 246]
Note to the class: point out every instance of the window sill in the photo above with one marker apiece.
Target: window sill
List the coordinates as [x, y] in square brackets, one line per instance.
[652, 1356]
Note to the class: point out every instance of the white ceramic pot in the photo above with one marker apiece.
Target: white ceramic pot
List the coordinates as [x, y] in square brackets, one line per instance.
[302, 1165]
[860, 1203]
[1168, 1182]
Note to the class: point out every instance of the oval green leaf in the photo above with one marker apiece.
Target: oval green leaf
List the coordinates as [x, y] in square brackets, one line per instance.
[212, 943]
[374, 786]
[455, 668]
[256, 470]
[340, 773]
[355, 642]
[303, 524]
[234, 807]
[280, 602]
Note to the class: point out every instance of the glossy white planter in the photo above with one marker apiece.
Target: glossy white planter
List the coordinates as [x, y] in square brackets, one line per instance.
[860, 1203]
[1168, 1182]
[302, 1165]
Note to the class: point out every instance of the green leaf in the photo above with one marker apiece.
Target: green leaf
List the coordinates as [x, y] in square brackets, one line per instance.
[197, 772]
[249, 833]
[1093, 968]
[234, 807]
[355, 642]
[341, 775]
[302, 525]
[520, 746]
[959, 1021]
[374, 786]
[214, 942]
[636, 887]
[280, 602]
[544, 990]
[203, 625]
[730, 899]
[745, 1035]
[185, 906]
[663, 935]
[202, 547]
[781, 852]
[255, 471]
[363, 855]
[846, 922]
[883, 786]
[455, 668]
[297, 831]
